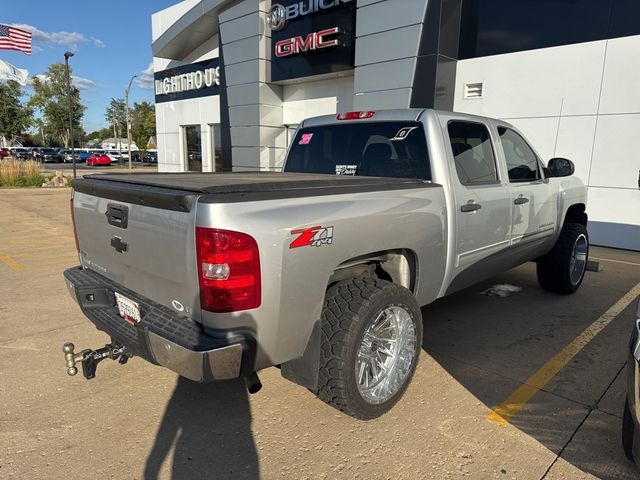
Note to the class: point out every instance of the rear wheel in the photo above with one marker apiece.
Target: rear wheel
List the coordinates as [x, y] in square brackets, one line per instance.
[628, 428]
[371, 339]
[562, 269]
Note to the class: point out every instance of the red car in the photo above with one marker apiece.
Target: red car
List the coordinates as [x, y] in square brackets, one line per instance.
[98, 159]
[4, 153]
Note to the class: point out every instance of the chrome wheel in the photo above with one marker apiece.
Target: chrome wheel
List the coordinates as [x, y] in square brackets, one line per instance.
[386, 354]
[578, 260]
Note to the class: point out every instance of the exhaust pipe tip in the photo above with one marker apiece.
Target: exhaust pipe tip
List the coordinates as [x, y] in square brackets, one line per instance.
[253, 384]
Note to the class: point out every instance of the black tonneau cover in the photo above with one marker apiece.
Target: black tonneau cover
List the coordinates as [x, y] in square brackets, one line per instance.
[177, 191]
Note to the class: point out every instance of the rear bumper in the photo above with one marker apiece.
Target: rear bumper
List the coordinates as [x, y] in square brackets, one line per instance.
[162, 337]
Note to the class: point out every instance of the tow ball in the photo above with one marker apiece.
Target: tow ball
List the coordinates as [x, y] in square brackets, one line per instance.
[90, 358]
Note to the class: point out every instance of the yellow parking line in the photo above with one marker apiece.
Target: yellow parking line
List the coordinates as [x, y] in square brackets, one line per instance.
[44, 255]
[11, 263]
[518, 399]
[37, 247]
[614, 261]
[49, 264]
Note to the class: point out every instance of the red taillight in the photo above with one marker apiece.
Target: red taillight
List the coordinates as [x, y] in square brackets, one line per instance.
[355, 115]
[228, 270]
[73, 222]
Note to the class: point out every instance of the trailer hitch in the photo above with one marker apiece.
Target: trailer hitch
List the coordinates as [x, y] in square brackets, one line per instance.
[90, 358]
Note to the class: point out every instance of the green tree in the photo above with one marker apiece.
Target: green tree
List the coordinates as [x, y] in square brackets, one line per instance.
[143, 124]
[15, 117]
[117, 117]
[50, 99]
[102, 134]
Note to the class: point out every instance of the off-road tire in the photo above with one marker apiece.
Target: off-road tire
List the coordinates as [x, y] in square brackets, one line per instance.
[628, 428]
[349, 308]
[554, 272]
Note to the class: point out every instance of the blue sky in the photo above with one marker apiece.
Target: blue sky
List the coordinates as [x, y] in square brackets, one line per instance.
[111, 41]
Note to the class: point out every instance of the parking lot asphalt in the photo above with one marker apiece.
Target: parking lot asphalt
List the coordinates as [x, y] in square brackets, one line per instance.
[139, 421]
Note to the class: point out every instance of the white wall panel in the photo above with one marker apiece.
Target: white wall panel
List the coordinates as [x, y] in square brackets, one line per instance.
[534, 83]
[621, 80]
[575, 142]
[316, 98]
[614, 217]
[614, 205]
[616, 160]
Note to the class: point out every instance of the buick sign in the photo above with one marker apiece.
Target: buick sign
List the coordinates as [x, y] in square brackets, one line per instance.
[279, 15]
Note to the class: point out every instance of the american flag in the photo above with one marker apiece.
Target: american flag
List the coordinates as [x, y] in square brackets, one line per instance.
[12, 38]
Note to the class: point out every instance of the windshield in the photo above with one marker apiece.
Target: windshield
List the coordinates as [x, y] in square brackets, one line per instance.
[375, 149]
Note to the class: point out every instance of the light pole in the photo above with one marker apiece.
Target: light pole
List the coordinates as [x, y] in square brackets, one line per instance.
[67, 55]
[126, 109]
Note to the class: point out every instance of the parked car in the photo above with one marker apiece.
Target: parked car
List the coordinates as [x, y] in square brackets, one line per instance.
[83, 156]
[67, 157]
[4, 153]
[631, 413]
[321, 269]
[19, 153]
[50, 155]
[151, 157]
[98, 159]
[114, 155]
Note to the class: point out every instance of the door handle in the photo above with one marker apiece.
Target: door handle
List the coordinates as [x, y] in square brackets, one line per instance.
[521, 201]
[470, 206]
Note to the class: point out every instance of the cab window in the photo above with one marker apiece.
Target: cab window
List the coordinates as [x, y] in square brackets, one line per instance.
[522, 162]
[472, 153]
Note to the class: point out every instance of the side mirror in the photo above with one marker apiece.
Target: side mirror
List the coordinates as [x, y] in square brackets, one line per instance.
[560, 167]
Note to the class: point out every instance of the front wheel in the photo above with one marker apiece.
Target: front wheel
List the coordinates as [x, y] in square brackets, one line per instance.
[562, 269]
[370, 344]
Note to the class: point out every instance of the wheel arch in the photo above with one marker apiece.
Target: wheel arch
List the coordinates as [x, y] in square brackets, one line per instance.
[395, 265]
[576, 213]
[399, 266]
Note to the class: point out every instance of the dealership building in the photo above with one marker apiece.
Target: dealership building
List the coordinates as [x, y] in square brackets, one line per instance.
[234, 78]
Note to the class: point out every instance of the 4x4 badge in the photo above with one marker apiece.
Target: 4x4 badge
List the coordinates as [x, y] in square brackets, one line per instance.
[312, 237]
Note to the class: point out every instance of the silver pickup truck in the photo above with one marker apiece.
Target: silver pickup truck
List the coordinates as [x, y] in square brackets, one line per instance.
[321, 269]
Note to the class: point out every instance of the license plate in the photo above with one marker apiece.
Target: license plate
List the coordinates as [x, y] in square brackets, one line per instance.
[128, 309]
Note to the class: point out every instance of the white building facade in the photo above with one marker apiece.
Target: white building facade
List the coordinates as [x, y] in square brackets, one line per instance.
[234, 78]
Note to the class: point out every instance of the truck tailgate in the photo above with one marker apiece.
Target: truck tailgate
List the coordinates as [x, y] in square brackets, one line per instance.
[142, 239]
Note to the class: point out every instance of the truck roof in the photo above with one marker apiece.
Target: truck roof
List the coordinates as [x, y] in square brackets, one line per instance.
[390, 115]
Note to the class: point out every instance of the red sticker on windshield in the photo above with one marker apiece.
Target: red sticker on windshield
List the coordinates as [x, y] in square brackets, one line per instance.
[305, 139]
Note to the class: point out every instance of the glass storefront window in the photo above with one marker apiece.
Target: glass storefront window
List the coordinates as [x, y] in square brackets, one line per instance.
[193, 147]
[216, 147]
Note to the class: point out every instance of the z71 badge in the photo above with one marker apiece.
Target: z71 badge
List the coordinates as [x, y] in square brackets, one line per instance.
[312, 237]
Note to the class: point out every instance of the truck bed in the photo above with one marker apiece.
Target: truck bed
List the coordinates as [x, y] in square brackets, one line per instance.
[177, 191]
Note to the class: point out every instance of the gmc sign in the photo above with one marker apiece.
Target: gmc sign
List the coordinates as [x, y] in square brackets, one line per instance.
[311, 37]
[313, 41]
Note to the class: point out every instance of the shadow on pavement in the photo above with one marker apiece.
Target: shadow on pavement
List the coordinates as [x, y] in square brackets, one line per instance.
[491, 345]
[208, 427]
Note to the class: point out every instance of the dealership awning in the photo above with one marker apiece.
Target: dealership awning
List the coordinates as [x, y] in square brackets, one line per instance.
[189, 31]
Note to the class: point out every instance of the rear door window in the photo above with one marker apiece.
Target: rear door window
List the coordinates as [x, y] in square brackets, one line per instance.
[375, 149]
[472, 153]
